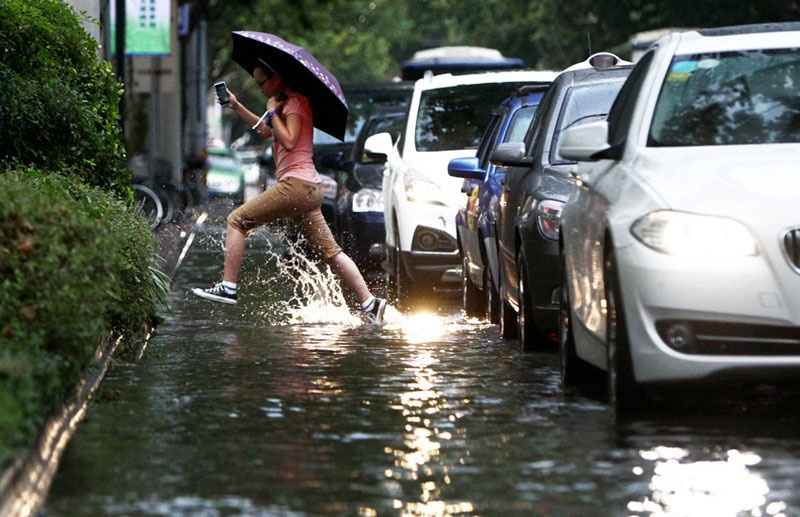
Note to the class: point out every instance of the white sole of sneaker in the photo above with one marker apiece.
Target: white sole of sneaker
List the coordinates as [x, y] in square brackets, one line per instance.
[202, 294]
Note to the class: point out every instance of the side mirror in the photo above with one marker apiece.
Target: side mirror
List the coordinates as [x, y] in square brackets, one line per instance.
[509, 154]
[583, 143]
[467, 168]
[378, 147]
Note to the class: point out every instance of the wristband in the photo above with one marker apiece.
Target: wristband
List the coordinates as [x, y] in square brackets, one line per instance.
[269, 117]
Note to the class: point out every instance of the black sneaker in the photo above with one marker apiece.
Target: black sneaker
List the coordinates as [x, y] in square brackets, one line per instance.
[218, 293]
[375, 312]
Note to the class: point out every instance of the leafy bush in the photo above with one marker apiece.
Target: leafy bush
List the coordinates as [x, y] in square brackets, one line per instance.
[74, 263]
[61, 105]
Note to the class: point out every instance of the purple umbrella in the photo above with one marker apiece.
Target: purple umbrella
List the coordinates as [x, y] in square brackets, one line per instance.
[302, 71]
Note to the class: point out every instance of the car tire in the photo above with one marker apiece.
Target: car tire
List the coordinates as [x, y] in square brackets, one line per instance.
[625, 395]
[574, 371]
[471, 296]
[491, 297]
[508, 321]
[530, 336]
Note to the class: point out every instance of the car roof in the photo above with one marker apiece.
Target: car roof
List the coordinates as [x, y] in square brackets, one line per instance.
[457, 59]
[754, 36]
[430, 82]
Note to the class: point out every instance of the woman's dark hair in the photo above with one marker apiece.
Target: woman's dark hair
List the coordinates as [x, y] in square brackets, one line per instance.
[264, 67]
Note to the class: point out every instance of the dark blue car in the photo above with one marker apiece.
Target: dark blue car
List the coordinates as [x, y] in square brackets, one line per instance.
[358, 215]
[475, 224]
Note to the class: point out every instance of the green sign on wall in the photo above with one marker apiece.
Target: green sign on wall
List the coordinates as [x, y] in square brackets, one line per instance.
[147, 27]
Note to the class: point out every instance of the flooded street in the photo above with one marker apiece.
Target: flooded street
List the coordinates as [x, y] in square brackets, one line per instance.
[294, 409]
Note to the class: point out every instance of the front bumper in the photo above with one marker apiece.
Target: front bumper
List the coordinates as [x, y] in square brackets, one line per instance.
[709, 320]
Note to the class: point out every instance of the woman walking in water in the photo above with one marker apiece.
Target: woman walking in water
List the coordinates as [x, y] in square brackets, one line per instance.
[297, 195]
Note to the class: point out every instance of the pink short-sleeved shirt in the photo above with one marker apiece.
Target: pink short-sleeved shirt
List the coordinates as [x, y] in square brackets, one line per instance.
[300, 162]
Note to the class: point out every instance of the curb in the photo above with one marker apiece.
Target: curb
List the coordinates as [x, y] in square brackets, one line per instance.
[25, 484]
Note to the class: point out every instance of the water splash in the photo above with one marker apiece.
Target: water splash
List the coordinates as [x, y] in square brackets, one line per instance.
[316, 295]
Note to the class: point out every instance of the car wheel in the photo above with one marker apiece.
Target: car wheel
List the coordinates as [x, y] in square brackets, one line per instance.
[573, 369]
[530, 336]
[508, 320]
[471, 296]
[624, 394]
[491, 297]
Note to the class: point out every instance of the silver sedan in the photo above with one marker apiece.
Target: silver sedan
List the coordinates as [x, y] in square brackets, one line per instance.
[681, 248]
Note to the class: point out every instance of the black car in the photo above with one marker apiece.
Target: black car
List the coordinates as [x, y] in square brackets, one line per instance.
[358, 219]
[330, 153]
[537, 184]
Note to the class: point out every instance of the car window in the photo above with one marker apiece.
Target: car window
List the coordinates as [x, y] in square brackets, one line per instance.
[456, 117]
[490, 136]
[392, 124]
[520, 122]
[582, 104]
[362, 103]
[546, 105]
[621, 114]
[729, 98]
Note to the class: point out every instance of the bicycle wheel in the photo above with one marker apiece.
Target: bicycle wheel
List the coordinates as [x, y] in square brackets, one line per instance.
[148, 205]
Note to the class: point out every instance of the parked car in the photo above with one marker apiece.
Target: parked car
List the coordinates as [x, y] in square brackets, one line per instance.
[681, 247]
[447, 116]
[358, 221]
[224, 175]
[330, 152]
[475, 224]
[458, 59]
[535, 187]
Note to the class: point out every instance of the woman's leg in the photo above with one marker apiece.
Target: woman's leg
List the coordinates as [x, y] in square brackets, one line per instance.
[347, 270]
[234, 253]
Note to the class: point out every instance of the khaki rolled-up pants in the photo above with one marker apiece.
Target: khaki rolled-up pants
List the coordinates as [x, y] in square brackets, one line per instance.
[290, 198]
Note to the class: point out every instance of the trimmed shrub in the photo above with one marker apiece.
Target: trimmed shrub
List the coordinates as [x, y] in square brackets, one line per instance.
[61, 105]
[74, 263]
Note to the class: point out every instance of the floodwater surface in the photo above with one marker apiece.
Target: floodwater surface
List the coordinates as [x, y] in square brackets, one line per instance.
[287, 405]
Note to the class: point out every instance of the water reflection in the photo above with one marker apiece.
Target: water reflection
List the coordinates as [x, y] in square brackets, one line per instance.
[722, 485]
[429, 422]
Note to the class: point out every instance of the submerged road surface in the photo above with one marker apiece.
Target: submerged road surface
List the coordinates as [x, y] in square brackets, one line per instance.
[293, 408]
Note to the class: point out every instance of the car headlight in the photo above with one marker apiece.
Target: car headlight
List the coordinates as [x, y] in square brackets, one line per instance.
[548, 215]
[685, 234]
[368, 200]
[423, 191]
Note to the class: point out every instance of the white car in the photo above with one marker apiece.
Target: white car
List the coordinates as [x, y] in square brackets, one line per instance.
[681, 246]
[447, 116]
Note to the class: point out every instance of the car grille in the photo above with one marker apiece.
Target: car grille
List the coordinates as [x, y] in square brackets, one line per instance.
[720, 338]
[791, 242]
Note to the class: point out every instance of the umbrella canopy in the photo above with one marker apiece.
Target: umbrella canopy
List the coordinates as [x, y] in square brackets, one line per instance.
[301, 70]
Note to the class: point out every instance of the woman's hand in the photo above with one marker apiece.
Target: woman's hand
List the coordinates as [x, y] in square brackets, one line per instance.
[234, 103]
[273, 104]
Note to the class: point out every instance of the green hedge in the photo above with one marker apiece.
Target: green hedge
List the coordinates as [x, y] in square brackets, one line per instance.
[60, 106]
[75, 263]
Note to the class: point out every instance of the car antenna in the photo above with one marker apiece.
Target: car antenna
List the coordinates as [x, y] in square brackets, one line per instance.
[589, 42]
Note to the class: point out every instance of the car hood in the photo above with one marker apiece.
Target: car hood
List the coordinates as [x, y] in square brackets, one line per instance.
[432, 167]
[724, 180]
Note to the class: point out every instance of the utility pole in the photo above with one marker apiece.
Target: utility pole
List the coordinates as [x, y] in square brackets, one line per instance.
[120, 46]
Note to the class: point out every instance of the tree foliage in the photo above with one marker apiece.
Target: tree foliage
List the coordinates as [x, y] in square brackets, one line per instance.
[60, 111]
[367, 40]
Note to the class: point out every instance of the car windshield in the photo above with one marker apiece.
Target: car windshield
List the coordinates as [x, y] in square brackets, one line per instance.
[456, 117]
[730, 98]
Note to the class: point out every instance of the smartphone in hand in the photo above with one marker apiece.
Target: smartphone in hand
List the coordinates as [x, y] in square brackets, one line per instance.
[222, 93]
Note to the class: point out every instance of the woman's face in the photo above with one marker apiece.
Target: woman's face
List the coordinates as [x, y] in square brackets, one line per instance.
[270, 85]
